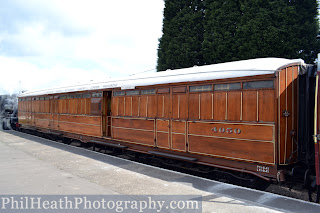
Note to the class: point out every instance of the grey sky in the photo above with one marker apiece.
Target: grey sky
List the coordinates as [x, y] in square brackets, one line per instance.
[57, 42]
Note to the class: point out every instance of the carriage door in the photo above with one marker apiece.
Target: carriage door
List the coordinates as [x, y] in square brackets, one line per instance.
[287, 115]
[107, 114]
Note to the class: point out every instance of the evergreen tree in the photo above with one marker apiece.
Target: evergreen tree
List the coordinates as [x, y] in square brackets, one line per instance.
[308, 28]
[214, 31]
[263, 29]
[278, 28]
[180, 45]
[221, 20]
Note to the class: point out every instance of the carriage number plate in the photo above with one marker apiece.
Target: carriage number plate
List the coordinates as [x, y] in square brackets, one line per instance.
[264, 169]
[226, 130]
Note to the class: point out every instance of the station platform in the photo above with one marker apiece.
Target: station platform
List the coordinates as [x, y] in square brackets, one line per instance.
[30, 165]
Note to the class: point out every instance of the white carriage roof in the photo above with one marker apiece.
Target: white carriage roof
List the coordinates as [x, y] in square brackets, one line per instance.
[251, 67]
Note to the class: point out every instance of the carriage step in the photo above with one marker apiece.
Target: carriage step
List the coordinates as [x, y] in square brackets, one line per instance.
[167, 155]
[109, 144]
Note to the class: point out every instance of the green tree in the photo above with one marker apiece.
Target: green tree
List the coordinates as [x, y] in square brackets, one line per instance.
[221, 21]
[214, 31]
[181, 43]
[278, 28]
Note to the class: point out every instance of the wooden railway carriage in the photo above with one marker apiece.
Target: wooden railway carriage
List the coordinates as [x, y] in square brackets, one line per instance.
[241, 116]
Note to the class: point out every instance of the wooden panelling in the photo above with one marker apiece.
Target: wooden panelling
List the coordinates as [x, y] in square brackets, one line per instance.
[178, 142]
[178, 135]
[87, 106]
[83, 106]
[134, 136]
[135, 105]
[194, 106]
[143, 106]
[114, 106]
[287, 116]
[61, 106]
[87, 125]
[234, 106]
[133, 123]
[128, 106]
[179, 106]
[23, 117]
[266, 105]
[179, 89]
[96, 105]
[178, 127]
[163, 90]
[163, 106]
[55, 105]
[93, 120]
[68, 106]
[282, 120]
[163, 125]
[74, 107]
[163, 140]
[121, 106]
[41, 116]
[84, 129]
[56, 121]
[234, 149]
[206, 106]
[44, 123]
[249, 106]
[152, 106]
[219, 105]
[229, 130]
[78, 105]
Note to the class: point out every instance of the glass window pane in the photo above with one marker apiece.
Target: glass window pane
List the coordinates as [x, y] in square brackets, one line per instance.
[86, 95]
[78, 96]
[232, 86]
[258, 84]
[201, 88]
[118, 93]
[148, 91]
[132, 92]
[97, 95]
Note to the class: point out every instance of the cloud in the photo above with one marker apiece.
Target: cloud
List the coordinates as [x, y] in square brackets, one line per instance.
[76, 40]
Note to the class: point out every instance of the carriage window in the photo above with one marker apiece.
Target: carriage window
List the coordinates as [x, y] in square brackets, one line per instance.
[46, 98]
[41, 98]
[202, 88]
[132, 92]
[62, 97]
[258, 85]
[86, 95]
[78, 96]
[69, 96]
[148, 91]
[118, 93]
[97, 95]
[232, 86]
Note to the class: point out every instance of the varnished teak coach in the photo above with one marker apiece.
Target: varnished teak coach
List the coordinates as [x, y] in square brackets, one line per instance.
[241, 116]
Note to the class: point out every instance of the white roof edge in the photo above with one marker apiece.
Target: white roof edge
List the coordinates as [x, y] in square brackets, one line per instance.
[251, 67]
